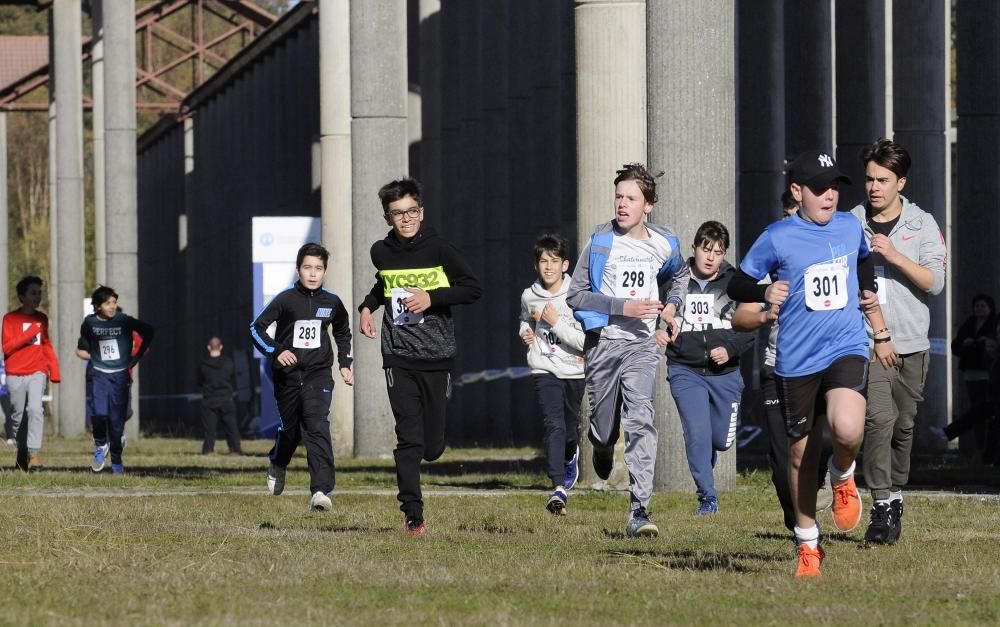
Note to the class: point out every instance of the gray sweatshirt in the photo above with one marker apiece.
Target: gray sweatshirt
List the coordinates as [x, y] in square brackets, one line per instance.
[904, 305]
[557, 349]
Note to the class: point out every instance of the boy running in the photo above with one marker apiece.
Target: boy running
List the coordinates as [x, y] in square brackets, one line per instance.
[909, 254]
[822, 356]
[615, 295]
[30, 363]
[418, 278]
[555, 353]
[106, 339]
[704, 363]
[301, 357]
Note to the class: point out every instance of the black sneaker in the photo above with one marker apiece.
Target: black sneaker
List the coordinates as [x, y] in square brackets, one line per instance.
[414, 527]
[896, 507]
[880, 528]
[604, 461]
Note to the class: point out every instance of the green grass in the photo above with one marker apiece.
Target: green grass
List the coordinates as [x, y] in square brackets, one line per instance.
[154, 548]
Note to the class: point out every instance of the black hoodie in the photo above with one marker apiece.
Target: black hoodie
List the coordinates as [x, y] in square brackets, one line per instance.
[432, 264]
[216, 379]
[696, 340]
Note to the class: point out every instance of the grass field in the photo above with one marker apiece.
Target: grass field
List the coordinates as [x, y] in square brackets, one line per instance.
[191, 539]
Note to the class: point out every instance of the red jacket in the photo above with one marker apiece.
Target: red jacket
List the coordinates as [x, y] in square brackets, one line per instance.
[26, 345]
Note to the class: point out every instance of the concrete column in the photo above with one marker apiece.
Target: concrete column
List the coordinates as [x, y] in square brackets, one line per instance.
[69, 196]
[692, 138]
[120, 174]
[335, 186]
[4, 217]
[861, 82]
[921, 108]
[761, 120]
[808, 76]
[53, 287]
[610, 131]
[497, 212]
[379, 153]
[430, 101]
[97, 113]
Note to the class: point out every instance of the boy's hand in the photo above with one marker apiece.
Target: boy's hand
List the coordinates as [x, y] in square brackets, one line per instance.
[662, 338]
[419, 302]
[347, 376]
[882, 245]
[770, 316]
[528, 337]
[367, 324]
[673, 329]
[868, 301]
[776, 293]
[886, 353]
[550, 315]
[719, 355]
[643, 309]
[287, 358]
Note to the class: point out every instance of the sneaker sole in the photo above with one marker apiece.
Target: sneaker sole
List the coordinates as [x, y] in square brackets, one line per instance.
[274, 487]
[646, 531]
[557, 507]
[96, 468]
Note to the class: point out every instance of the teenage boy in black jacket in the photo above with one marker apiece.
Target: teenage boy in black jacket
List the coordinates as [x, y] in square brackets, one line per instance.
[301, 357]
[419, 277]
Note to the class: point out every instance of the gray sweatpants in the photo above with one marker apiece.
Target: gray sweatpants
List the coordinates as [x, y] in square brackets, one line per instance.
[26, 398]
[621, 376]
[893, 394]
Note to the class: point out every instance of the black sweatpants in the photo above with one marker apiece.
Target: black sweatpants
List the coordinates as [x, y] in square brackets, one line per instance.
[778, 445]
[211, 414]
[419, 400]
[304, 409]
[559, 400]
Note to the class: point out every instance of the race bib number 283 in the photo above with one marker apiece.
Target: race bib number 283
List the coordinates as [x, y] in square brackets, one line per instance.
[306, 333]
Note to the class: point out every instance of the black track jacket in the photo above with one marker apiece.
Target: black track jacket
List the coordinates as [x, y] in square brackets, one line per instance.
[432, 264]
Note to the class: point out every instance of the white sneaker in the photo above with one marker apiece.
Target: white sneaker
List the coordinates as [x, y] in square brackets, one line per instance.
[275, 480]
[320, 503]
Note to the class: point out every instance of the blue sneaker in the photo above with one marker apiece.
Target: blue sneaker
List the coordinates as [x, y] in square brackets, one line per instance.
[100, 457]
[707, 507]
[572, 470]
[640, 526]
[557, 502]
[118, 469]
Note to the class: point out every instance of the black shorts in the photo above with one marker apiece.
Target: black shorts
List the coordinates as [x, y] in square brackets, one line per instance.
[803, 398]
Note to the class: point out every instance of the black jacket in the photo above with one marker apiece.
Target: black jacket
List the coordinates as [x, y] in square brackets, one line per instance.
[974, 356]
[216, 380]
[304, 320]
[432, 264]
[696, 340]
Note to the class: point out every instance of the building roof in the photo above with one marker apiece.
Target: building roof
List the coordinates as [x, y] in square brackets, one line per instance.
[20, 55]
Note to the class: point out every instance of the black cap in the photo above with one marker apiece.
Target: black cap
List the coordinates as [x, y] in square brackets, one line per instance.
[816, 170]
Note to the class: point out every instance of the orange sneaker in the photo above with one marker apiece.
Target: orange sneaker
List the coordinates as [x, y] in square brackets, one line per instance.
[809, 561]
[846, 505]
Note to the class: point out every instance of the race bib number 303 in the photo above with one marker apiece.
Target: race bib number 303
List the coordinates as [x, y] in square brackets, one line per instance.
[826, 287]
[699, 308]
[401, 315]
[306, 334]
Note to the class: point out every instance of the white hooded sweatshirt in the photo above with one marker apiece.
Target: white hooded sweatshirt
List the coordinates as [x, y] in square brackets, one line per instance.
[558, 349]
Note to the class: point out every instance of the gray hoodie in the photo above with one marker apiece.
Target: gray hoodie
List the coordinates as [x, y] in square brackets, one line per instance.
[917, 236]
[559, 349]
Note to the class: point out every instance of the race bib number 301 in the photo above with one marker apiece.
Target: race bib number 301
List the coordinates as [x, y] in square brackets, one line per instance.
[401, 315]
[306, 334]
[826, 287]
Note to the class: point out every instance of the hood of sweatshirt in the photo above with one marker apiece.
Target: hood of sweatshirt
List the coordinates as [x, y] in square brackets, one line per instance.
[539, 290]
[423, 236]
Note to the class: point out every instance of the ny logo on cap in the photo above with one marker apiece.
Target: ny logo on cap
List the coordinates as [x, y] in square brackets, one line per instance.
[826, 161]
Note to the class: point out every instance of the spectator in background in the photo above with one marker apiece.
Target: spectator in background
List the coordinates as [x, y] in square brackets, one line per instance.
[217, 381]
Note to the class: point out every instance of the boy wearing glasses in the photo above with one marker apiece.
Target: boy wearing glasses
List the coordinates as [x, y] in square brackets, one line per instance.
[418, 277]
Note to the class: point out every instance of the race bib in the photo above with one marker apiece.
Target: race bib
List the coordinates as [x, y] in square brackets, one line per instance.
[306, 334]
[37, 338]
[826, 287]
[699, 309]
[109, 350]
[883, 287]
[400, 314]
[548, 342]
[634, 281]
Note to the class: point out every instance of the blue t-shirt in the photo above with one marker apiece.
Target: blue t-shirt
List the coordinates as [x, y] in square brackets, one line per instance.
[821, 320]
